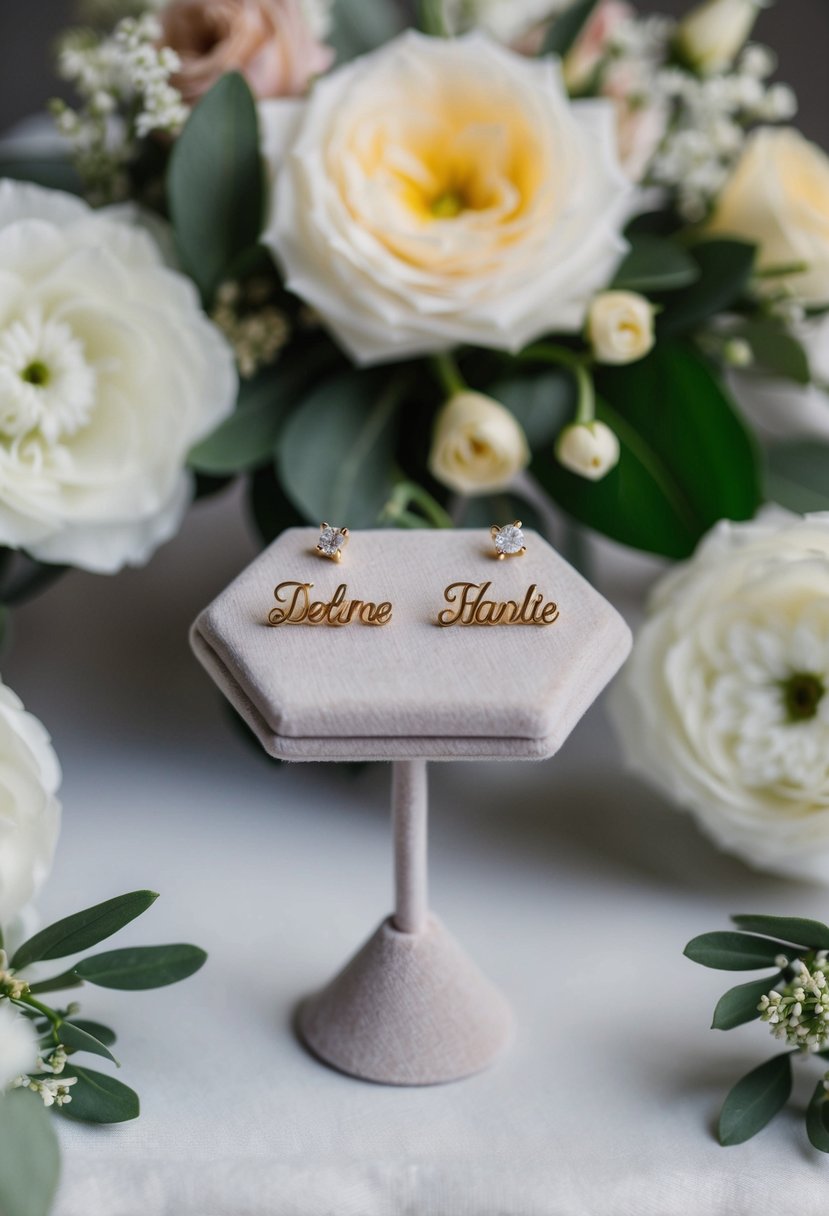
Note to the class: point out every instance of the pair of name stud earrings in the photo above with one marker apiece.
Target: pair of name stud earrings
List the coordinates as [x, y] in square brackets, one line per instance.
[508, 540]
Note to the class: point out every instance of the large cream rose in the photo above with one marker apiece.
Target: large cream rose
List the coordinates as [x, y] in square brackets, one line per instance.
[444, 191]
[109, 373]
[778, 196]
[29, 808]
[724, 703]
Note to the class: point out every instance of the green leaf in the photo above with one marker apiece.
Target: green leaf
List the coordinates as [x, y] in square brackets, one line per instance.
[774, 348]
[739, 1005]
[686, 458]
[83, 929]
[51, 171]
[99, 1098]
[482, 511]
[655, 264]
[336, 451]
[78, 1039]
[817, 1119]
[358, 26]
[755, 1100]
[729, 951]
[725, 268]
[565, 29]
[139, 967]
[29, 1155]
[56, 983]
[542, 404]
[103, 1033]
[272, 511]
[215, 183]
[796, 929]
[248, 437]
[797, 474]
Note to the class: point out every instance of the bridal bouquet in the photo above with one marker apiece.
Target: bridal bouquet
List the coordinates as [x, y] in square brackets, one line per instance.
[528, 252]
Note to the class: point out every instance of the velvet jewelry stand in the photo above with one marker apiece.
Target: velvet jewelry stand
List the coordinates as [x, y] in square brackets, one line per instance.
[409, 1008]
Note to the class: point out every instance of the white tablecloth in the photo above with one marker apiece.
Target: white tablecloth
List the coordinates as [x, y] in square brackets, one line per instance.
[572, 886]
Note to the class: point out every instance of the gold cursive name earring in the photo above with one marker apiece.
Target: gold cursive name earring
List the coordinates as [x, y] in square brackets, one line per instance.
[294, 606]
[471, 608]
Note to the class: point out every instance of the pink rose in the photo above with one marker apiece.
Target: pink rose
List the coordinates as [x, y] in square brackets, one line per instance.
[594, 42]
[269, 41]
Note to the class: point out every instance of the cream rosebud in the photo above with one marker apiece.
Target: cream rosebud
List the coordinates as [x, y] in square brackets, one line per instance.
[778, 197]
[478, 446]
[589, 449]
[620, 327]
[712, 35]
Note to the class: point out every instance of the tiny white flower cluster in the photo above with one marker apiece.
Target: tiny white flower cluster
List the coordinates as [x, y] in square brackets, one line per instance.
[799, 1012]
[711, 115]
[55, 1063]
[255, 328]
[123, 79]
[54, 1092]
[10, 985]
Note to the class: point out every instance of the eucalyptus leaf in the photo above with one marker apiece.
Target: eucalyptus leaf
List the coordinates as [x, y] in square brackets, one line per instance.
[796, 929]
[76, 1038]
[797, 474]
[724, 270]
[817, 1119]
[54, 172]
[358, 26]
[739, 1005]
[99, 1098]
[775, 349]
[271, 510]
[655, 264]
[482, 511]
[542, 403]
[138, 967]
[730, 951]
[336, 450]
[83, 929]
[56, 983]
[566, 28]
[215, 183]
[755, 1100]
[29, 1155]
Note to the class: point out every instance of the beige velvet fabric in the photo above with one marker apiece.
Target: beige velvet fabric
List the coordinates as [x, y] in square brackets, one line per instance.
[409, 688]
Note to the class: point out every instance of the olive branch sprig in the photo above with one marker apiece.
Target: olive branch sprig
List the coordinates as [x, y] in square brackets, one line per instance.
[794, 1002]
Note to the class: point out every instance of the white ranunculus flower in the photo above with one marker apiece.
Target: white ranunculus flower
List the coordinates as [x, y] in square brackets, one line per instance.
[109, 373]
[588, 449]
[781, 409]
[620, 327]
[29, 808]
[18, 1044]
[712, 35]
[478, 447]
[441, 191]
[724, 703]
[778, 197]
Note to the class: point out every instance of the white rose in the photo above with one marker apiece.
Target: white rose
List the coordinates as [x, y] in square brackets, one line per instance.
[30, 816]
[442, 191]
[712, 35]
[780, 409]
[778, 197]
[109, 373]
[589, 449]
[18, 1044]
[478, 447]
[620, 327]
[725, 701]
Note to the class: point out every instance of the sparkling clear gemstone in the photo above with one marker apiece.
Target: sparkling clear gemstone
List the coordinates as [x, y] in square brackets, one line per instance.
[509, 539]
[331, 541]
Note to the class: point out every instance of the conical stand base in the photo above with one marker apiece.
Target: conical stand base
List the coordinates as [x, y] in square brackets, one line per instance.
[408, 1009]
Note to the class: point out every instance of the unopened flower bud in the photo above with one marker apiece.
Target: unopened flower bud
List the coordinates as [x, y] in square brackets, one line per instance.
[620, 327]
[712, 35]
[589, 449]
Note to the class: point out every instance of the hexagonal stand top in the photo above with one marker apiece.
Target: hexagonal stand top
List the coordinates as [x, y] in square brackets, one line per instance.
[410, 688]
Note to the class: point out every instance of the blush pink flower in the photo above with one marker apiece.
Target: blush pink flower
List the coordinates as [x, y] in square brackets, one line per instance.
[269, 41]
[593, 43]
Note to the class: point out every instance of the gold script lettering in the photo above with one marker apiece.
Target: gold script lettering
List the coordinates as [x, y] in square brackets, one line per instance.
[294, 606]
[469, 606]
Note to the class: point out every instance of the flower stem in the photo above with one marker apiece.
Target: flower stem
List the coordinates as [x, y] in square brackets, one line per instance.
[409, 493]
[586, 408]
[446, 370]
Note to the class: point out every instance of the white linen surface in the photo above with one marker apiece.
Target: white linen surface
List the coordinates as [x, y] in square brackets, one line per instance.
[573, 887]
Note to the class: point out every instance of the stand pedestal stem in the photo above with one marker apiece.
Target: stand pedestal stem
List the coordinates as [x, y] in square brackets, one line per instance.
[410, 818]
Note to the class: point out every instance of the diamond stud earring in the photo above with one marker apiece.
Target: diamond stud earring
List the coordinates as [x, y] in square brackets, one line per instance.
[332, 542]
[508, 540]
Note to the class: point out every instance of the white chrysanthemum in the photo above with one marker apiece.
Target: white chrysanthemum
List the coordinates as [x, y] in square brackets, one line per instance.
[109, 373]
[725, 701]
[441, 191]
[18, 1044]
[29, 808]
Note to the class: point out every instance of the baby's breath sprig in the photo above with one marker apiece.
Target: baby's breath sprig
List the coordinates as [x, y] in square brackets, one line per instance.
[794, 1003]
